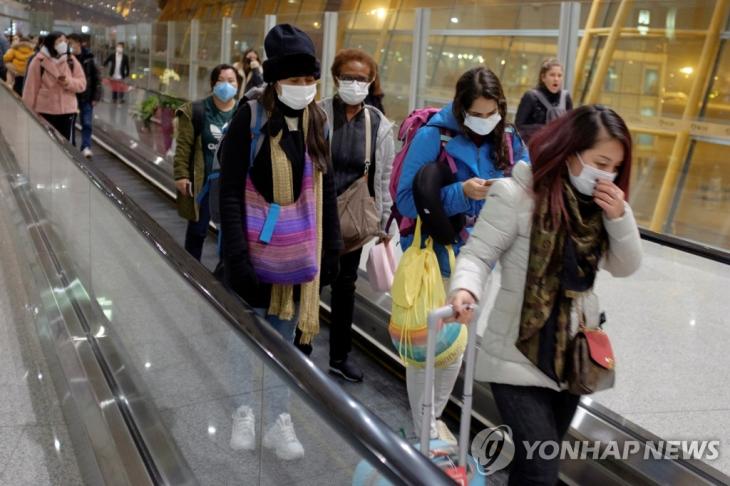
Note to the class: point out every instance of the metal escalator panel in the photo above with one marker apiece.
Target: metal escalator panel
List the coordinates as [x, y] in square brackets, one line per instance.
[182, 356]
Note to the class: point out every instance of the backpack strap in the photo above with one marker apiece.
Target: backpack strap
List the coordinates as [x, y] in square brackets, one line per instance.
[198, 119]
[563, 100]
[543, 99]
[198, 113]
[508, 137]
[445, 137]
[258, 118]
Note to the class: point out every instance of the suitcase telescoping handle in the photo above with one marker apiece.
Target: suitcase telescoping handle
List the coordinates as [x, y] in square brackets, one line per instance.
[434, 319]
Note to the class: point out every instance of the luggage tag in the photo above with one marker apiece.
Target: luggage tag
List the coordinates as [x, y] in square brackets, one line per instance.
[271, 218]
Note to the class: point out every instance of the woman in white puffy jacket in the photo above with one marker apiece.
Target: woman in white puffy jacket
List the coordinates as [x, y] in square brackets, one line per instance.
[551, 226]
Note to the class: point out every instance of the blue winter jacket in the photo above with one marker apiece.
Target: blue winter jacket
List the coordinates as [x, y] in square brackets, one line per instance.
[471, 161]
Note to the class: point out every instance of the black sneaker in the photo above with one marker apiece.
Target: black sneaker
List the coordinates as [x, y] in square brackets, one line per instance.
[346, 370]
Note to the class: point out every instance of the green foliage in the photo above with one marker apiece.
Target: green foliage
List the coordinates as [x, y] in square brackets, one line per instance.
[146, 110]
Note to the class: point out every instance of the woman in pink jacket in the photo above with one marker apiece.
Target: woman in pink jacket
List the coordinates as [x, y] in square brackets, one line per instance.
[51, 83]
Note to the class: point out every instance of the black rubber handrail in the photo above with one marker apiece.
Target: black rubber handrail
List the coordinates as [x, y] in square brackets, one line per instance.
[363, 430]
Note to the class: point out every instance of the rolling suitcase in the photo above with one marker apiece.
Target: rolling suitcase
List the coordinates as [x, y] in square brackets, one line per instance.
[454, 461]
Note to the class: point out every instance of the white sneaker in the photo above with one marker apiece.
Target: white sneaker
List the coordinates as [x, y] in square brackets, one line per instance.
[87, 153]
[282, 438]
[444, 433]
[243, 433]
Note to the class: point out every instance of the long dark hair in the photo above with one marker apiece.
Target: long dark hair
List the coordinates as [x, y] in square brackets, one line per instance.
[246, 63]
[572, 133]
[316, 143]
[49, 42]
[482, 82]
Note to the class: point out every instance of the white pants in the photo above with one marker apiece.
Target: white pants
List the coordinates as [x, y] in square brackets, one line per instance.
[444, 380]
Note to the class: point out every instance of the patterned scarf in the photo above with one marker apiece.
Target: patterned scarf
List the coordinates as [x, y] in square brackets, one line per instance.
[282, 296]
[562, 264]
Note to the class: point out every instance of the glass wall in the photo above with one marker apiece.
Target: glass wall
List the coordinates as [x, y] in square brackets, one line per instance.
[648, 75]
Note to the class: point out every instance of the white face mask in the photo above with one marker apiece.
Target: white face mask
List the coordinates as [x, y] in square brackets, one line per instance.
[353, 92]
[297, 97]
[61, 48]
[585, 182]
[482, 126]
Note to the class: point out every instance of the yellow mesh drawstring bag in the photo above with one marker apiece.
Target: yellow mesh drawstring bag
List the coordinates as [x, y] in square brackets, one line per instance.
[418, 288]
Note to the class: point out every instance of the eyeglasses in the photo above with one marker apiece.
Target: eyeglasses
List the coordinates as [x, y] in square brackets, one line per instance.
[354, 77]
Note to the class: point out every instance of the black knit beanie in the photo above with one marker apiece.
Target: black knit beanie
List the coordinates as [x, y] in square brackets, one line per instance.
[289, 53]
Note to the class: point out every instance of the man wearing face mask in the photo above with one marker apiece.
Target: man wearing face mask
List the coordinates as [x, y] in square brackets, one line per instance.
[353, 71]
[201, 125]
[280, 228]
[118, 72]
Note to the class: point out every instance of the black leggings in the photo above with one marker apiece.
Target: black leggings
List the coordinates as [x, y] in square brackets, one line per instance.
[534, 414]
[62, 123]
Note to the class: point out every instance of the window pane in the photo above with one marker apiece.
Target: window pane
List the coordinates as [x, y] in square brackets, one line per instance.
[702, 214]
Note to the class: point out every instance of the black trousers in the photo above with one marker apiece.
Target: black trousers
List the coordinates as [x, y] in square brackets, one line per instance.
[343, 305]
[63, 123]
[197, 231]
[18, 85]
[534, 414]
[118, 96]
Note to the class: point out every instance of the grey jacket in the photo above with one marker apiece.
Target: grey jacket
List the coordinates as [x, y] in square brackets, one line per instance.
[384, 155]
[502, 233]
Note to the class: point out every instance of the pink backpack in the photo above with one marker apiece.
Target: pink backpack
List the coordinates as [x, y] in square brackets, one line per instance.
[406, 134]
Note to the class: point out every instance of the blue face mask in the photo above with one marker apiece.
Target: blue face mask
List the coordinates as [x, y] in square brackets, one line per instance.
[224, 91]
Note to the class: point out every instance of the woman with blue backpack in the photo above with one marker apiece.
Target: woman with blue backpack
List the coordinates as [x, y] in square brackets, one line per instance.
[279, 221]
[470, 136]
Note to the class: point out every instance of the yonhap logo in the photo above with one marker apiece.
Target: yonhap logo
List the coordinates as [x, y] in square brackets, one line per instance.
[493, 449]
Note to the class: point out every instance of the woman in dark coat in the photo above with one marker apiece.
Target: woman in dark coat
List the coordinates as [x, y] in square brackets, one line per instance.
[284, 133]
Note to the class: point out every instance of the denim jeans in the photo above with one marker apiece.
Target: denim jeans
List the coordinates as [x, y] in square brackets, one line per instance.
[534, 414]
[87, 119]
[276, 392]
[198, 230]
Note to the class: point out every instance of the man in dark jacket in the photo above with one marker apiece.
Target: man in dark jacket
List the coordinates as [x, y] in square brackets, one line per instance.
[118, 63]
[91, 95]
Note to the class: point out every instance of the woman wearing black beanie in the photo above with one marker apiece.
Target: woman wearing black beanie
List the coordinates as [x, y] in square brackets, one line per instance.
[279, 222]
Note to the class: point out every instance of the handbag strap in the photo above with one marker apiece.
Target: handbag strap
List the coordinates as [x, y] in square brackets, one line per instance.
[368, 139]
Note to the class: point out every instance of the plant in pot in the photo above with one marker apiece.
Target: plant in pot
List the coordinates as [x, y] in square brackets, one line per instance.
[166, 111]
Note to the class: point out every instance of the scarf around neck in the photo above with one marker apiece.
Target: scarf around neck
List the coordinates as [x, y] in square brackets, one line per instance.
[282, 296]
[562, 264]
